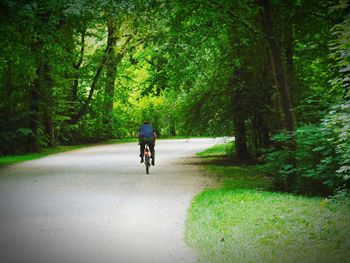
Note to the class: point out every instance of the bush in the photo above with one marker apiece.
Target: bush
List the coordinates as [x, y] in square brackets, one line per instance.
[322, 156]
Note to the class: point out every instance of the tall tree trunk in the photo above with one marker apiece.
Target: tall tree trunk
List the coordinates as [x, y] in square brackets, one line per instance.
[278, 65]
[240, 139]
[236, 84]
[268, 28]
[262, 129]
[33, 122]
[111, 68]
[40, 107]
[49, 128]
[47, 107]
[242, 152]
[289, 52]
[172, 129]
[34, 101]
[288, 45]
[280, 121]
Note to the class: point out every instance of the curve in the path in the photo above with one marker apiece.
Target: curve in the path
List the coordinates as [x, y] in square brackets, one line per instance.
[97, 205]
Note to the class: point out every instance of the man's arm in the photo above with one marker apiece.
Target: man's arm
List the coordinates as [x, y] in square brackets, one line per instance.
[139, 135]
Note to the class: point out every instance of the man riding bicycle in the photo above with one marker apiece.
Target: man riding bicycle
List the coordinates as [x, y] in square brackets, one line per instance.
[147, 136]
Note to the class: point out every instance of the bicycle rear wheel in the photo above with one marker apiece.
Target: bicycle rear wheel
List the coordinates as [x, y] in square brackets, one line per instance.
[147, 163]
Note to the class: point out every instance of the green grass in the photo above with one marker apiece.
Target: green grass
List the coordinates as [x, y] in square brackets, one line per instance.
[217, 150]
[242, 221]
[177, 137]
[11, 159]
[123, 140]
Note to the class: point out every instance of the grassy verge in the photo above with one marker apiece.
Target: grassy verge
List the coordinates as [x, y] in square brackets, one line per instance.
[181, 137]
[242, 221]
[217, 150]
[12, 159]
[124, 140]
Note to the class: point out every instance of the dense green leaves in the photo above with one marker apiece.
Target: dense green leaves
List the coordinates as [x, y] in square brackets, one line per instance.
[76, 71]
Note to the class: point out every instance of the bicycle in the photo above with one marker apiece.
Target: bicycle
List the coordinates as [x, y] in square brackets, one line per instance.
[147, 158]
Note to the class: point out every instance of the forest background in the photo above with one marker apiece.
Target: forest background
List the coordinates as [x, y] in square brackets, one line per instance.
[273, 74]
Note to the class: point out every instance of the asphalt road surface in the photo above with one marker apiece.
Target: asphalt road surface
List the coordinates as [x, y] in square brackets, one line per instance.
[97, 204]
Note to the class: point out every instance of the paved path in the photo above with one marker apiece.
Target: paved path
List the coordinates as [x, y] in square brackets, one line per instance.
[97, 205]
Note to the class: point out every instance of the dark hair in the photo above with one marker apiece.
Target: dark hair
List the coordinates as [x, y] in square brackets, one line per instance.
[145, 122]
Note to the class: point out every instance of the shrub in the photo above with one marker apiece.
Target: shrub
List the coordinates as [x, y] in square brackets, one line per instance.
[322, 156]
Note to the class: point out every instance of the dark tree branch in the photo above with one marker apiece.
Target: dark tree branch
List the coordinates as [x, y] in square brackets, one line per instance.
[238, 19]
[82, 49]
[150, 62]
[110, 45]
[75, 118]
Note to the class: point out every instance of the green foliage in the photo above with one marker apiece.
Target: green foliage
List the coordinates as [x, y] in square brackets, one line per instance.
[337, 124]
[321, 164]
[322, 154]
[188, 67]
[340, 54]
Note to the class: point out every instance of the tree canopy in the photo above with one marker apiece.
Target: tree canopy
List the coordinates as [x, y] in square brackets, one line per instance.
[273, 74]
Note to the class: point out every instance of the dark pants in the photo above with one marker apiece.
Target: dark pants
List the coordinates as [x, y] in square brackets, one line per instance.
[150, 143]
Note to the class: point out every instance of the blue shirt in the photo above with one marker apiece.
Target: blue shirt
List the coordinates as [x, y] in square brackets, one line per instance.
[146, 131]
